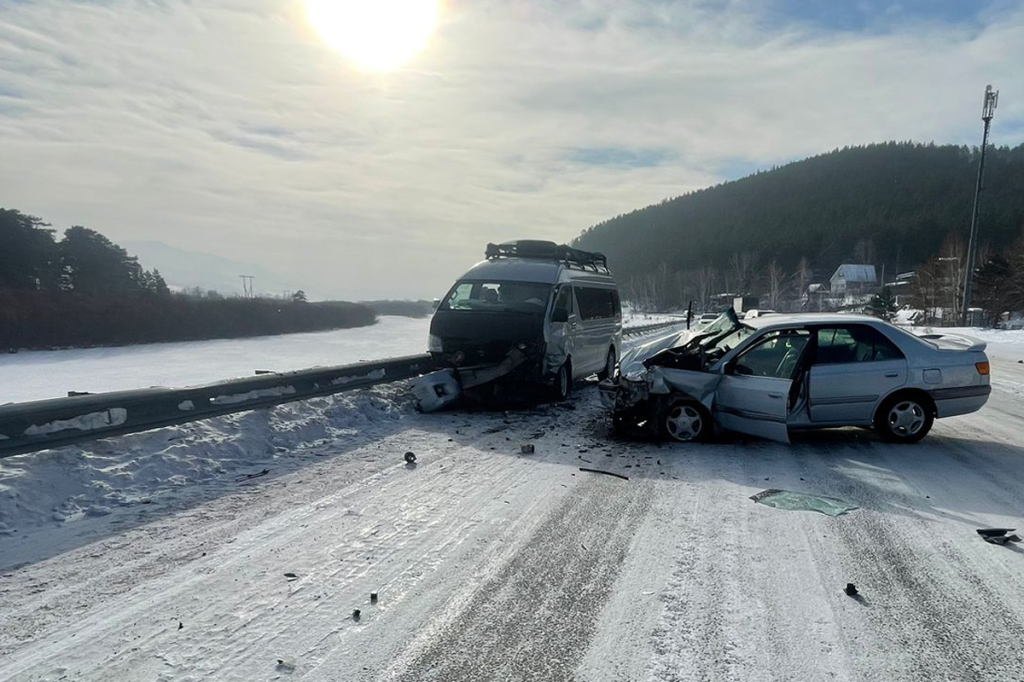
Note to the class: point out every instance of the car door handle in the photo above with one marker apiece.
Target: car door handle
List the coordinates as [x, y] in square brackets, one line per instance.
[892, 375]
[774, 395]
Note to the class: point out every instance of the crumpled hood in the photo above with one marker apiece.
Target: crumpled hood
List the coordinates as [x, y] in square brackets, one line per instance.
[633, 359]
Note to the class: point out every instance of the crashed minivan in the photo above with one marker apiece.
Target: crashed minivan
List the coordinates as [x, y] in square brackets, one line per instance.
[774, 374]
[533, 312]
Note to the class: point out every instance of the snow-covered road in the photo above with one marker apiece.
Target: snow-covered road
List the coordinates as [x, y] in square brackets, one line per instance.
[492, 565]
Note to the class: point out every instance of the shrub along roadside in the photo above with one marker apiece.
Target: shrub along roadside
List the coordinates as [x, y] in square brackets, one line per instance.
[49, 319]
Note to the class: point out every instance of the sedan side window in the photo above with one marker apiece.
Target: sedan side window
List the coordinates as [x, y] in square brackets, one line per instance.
[855, 343]
[776, 355]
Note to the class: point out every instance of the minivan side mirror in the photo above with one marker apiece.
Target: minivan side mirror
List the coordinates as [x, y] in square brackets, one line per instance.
[560, 315]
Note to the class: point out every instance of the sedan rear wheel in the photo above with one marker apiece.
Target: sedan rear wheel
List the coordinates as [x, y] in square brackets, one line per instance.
[904, 419]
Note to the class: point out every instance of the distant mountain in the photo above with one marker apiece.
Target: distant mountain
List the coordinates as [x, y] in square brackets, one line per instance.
[182, 269]
[890, 204]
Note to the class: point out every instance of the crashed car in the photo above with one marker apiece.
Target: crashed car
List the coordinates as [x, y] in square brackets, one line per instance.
[534, 313]
[772, 375]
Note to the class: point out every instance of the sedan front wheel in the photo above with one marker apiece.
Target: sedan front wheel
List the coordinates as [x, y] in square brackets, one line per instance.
[685, 421]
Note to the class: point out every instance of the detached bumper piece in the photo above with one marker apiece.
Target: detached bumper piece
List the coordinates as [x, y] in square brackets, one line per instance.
[440, 389]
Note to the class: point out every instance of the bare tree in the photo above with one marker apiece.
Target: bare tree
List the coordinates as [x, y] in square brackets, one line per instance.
[741, 262]
[776, 279]
[704, 280]
[954, 260]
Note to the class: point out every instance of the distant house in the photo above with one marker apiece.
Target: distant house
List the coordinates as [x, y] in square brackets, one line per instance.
[854, 280]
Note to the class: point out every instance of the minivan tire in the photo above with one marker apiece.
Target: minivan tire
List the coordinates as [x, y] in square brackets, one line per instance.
[562, 387]
[904, 418]
[609, 366]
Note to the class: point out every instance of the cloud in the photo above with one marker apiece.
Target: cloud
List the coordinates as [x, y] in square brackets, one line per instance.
[227, 127]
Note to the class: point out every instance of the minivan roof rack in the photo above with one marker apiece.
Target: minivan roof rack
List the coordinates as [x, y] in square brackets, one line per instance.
[545, 250]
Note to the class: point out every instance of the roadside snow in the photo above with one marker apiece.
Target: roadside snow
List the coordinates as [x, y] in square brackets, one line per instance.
[64, 484]
[37, 375]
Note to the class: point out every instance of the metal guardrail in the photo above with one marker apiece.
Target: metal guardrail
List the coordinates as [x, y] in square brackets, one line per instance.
[42, 424]
[648, 328]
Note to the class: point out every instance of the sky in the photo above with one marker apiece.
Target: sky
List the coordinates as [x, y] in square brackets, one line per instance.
[230, 127]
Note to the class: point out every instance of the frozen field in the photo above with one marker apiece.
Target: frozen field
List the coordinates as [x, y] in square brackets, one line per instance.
[35, 375]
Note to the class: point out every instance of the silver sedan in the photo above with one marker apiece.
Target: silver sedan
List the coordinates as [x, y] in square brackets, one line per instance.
[769, 376]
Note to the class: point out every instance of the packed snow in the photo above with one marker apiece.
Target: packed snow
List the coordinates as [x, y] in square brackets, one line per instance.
[36, 375]
[216, 549]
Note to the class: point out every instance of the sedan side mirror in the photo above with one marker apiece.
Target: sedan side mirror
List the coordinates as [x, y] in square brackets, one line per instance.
[560, 315]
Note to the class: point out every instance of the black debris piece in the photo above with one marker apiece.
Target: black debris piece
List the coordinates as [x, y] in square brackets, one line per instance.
[355, 614]
[851, 590]
[992, 532]
[246, 477]
[180, 625]
[998, 536]
[527, 448]
[410, 457]
[373, 597]
[585, 459]
[291, 576]
[606, 473]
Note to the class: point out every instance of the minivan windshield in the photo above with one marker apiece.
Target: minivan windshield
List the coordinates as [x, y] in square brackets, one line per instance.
[498, 296]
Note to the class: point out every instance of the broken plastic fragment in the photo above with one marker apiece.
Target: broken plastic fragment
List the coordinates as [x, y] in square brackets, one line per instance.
[785, 499]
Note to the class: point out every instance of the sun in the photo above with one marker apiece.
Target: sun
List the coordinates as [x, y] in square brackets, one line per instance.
[378, 35]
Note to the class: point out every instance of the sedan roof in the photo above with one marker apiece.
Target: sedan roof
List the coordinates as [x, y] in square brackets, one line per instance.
[798, 319]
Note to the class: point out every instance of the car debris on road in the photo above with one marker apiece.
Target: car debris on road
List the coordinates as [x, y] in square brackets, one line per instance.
[998, 536]
[792, 501]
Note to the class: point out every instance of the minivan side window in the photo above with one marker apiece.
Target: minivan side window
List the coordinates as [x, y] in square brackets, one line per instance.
[595, 303]
[855, 343]
[564, 300]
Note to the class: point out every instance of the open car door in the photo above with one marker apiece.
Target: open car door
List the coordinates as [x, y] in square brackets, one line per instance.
[754, 394]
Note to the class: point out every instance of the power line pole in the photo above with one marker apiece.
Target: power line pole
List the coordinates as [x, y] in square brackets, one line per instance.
[988, 110]
[247, 285]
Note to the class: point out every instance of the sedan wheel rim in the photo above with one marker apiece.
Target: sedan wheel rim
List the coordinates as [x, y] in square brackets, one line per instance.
[906, 418]
[684, 423]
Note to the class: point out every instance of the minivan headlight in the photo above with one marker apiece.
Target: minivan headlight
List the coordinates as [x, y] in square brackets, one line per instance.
[434, 344]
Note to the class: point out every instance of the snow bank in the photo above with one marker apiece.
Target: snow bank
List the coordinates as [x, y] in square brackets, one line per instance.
[66, 484]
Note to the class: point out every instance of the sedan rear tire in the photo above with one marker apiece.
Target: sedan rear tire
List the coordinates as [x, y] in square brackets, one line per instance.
[905, 418]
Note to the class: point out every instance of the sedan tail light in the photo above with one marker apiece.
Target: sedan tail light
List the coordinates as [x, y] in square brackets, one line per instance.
[982, 367]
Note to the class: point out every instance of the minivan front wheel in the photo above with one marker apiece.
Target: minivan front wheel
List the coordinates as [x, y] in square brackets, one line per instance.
[609, 366]
[563, 382]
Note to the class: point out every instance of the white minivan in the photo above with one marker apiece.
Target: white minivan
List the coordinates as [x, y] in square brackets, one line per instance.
[547, 313]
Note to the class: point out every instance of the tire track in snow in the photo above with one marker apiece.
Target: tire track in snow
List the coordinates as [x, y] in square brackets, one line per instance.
[535, 618]
[926, 619]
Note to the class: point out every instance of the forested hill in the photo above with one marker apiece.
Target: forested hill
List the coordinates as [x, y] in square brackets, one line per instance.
[892, 204]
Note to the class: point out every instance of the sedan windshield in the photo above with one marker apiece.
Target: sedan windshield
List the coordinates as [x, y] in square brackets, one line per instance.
[507, 297]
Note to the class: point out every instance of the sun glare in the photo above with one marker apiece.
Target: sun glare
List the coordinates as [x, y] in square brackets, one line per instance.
[377, 35]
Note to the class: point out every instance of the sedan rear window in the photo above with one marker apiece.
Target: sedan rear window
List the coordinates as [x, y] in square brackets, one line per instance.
[855, 343]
